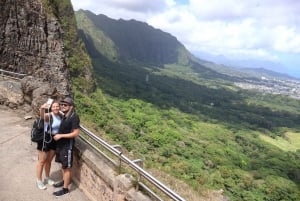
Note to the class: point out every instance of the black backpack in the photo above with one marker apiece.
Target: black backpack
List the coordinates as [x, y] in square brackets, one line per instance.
[37, 131]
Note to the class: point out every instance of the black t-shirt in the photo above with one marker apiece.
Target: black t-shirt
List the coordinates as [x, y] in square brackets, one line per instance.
[67, 126]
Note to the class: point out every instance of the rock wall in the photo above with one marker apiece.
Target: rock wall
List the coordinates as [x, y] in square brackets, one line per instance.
[99, 179]
[31, 42]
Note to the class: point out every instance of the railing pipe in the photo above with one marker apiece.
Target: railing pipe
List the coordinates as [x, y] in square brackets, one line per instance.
[119, 154]
[98, 150]
[134, 166]
[16, 75]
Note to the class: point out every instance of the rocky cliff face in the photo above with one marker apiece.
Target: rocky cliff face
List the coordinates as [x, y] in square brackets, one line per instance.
[31, 42]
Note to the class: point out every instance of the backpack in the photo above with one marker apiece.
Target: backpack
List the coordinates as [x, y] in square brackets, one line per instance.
[37, 131]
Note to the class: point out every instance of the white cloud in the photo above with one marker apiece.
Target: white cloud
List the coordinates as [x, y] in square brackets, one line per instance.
[137, 5]
[125, 9]
[287, 39]
[218, 10]
[257, 28]
[86, 4]
[230, 26]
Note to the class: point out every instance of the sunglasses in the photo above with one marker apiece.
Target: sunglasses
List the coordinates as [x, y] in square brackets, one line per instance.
[64, 105]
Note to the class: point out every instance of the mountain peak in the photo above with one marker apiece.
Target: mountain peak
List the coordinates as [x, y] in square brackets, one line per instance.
[134, 40]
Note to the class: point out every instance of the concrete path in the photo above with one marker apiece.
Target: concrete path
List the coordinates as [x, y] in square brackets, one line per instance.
[18, 158]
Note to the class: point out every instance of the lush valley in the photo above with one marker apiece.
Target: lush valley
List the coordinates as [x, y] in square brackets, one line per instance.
[186, 119]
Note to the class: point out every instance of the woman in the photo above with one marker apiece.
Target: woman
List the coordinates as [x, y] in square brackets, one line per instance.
[46, 148]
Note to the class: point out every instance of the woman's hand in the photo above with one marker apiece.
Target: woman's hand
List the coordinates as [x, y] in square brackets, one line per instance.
[57, 137]
[44, 106]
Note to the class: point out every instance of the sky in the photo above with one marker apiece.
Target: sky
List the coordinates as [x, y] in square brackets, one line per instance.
[267, 30]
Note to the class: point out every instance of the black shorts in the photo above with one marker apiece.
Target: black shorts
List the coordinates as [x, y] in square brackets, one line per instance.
[64, 155]
[46, 145]
[52, 144]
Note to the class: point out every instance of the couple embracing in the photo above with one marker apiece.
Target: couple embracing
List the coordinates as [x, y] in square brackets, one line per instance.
[61, 128]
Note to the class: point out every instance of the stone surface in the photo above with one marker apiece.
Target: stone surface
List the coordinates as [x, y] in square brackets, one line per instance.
[31, 42]
[11, 93]
[18, 162]
[134, 195]
[122, 184]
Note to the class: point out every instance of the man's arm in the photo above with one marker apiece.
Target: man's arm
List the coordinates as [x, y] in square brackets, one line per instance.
[73, 134]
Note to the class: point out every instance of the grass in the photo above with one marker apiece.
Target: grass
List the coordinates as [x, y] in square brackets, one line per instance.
[185, 190]
[291, 141]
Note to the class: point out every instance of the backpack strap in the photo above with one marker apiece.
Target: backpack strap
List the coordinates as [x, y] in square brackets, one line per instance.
[49, 128]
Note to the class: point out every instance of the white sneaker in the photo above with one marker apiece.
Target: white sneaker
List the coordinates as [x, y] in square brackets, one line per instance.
[41, 185]
[48, 181]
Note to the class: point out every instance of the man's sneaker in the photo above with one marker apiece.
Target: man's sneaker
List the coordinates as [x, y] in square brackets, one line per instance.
[41, 185]
[61, 192]
[49, 181]
[59, 184]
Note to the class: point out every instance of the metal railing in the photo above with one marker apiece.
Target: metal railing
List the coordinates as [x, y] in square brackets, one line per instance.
[11, 74]
[133, 165]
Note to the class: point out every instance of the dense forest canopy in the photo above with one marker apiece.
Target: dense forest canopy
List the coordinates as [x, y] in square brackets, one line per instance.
[187, 119]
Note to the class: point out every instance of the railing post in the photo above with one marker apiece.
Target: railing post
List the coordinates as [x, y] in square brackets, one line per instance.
[133, 164]
[117, 146]
[140, 163]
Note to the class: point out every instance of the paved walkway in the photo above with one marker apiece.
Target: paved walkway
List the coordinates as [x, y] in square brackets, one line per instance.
[18, 160]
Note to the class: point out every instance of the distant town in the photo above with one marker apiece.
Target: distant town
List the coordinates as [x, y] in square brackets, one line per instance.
[288, 87]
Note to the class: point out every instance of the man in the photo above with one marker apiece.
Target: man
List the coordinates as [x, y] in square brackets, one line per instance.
[69, 129]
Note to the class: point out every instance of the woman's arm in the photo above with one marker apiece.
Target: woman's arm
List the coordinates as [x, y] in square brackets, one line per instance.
[43, 114]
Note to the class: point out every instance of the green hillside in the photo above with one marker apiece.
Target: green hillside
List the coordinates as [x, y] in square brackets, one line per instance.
[184, 118]
[79, 62]
[129, 40]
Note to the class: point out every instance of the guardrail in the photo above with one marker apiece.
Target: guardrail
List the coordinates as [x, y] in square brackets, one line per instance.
[113, 149]
[11, 74]
[133, 165]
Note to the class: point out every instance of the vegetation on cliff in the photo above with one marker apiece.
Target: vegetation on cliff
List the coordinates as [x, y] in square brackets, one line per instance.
[80, 67]
[192, 122]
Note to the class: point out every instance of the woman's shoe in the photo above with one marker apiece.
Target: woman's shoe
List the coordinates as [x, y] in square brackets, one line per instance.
[49, 181]
[41, 185]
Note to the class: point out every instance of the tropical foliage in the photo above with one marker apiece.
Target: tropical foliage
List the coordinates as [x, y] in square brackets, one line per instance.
[194, 124]
[207, 137]
[79, 62]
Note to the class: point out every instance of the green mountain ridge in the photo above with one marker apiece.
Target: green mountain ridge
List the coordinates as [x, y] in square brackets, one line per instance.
[131, 37]
[184, 117]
